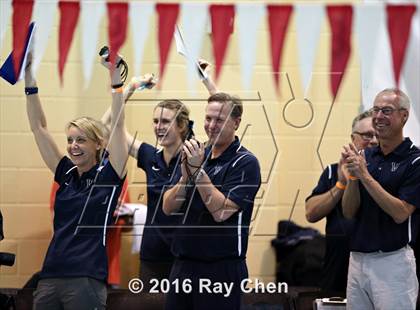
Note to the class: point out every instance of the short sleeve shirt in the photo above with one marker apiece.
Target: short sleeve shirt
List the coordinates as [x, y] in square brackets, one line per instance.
[399, 174]
[236, 174]
[336, 225]
[83, 207]
[158, 232]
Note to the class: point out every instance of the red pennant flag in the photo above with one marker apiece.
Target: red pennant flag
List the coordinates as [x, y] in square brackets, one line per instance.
[117, 27]
[340, 18]
[22, 13]
[222, 19]
[399, 25]
[69, 14]
[278, 20]
[168, 14]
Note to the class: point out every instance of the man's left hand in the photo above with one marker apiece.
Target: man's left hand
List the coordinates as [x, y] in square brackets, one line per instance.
[194, 152]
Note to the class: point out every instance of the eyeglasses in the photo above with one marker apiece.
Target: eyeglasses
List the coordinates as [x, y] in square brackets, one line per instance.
[385, 110]
[367, 136]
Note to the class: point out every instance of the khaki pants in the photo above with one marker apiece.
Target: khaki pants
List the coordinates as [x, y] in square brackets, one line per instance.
[382, 280]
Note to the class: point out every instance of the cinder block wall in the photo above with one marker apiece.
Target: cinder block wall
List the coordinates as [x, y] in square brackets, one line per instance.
[289, 169]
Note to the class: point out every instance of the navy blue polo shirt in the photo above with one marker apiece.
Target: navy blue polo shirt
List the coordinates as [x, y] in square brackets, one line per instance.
[236, 173]
[157, 239]
[399, 174]
[86, 200]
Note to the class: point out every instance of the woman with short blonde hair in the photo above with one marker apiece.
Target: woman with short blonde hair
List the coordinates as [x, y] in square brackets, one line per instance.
[74, 271]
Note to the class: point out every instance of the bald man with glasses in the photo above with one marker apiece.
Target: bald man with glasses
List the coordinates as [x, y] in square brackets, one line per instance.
[381, 195]
[325, 201]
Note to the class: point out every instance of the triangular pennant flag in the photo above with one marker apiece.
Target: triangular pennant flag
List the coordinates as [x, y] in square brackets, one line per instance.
[249, 17]
[381, 76]
[278, 20]
[22, 13]
[399, 23]
[5, 13]
[117, 27]
[340, 18]
[168, 14]
[222, 20]
[7, 70]
[367, 24]
[69, 14]
[182, 49]
[44, 13]
[193, 24]
[410, 80]
[181, 46]
[140, 13]
[308, 34]
[91, 16]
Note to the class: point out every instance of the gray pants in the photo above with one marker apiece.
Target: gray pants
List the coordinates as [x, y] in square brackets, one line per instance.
[382, 280]
[70, 293]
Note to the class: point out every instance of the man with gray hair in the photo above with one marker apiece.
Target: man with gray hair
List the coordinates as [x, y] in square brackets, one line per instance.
[382, 194]
[325, 201]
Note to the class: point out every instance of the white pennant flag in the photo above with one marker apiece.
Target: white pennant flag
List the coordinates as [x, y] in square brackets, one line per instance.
[410, 79]
[43, 15]
[92, 13]
[194, 18]
[249, 18]
[382, 73]
[368, 22]
[5, 12]
[140, 13]
[308, 29]
[182, 49]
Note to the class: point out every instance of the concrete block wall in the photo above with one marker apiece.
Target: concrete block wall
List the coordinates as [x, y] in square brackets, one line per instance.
[25, 181]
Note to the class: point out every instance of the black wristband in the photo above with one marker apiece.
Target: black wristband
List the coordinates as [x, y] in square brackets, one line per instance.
[117, 86]
[31, 90]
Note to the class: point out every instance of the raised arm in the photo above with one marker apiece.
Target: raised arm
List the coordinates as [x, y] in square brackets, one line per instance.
[127, 93]
[133, 145]
[49, 150]
[117, 146]
[208, 81]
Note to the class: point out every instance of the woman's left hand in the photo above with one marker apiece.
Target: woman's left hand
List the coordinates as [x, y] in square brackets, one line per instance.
[114, 68]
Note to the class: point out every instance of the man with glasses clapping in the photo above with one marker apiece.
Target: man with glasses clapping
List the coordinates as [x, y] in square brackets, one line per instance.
[381, 195]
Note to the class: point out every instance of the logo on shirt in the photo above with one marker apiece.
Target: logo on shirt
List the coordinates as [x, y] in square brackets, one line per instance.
[394, 166]
[89, 182]
[154, 168]
[217, 169]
